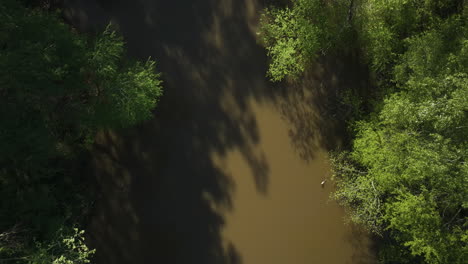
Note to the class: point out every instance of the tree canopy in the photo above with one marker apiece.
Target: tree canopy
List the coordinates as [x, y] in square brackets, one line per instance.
[406, 174]
[295, 35]
[57, 88]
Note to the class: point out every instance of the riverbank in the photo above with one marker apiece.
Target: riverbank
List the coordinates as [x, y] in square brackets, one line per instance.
[229, 170]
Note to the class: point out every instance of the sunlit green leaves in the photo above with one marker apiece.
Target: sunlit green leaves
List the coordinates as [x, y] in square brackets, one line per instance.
[280, 34]
[295, 36]
[131, 96]
[413, 148]
[67, 247]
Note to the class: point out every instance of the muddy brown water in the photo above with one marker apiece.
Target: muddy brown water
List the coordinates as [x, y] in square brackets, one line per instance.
[229, 170]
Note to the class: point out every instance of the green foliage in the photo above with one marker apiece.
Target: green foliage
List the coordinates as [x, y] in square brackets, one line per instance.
[405, 177]
[63, 249]
[57, 88]
[294, 36]
[130, 96]
[416, 221]
[384, 26]
[66, 246]
[407, 173]
[283, 44]
[358, 192]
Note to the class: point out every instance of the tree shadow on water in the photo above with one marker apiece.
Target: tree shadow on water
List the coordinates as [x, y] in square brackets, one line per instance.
[162, 192]
[363, 246]
[312, 104]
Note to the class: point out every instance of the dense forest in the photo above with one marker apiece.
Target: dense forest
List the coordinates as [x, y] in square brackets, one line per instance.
[404, 176]
[57, 89]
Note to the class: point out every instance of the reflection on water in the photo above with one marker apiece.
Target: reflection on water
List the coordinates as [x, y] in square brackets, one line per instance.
[229, 170]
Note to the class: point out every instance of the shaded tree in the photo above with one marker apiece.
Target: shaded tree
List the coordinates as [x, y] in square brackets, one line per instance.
[57, 88]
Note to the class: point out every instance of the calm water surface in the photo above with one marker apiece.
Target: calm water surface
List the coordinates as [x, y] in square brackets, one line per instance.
[229, 170]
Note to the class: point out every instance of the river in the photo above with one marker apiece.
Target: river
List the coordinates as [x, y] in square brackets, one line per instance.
[229, 169]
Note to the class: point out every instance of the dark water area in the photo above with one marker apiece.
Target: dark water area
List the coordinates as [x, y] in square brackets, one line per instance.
[229, 169]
